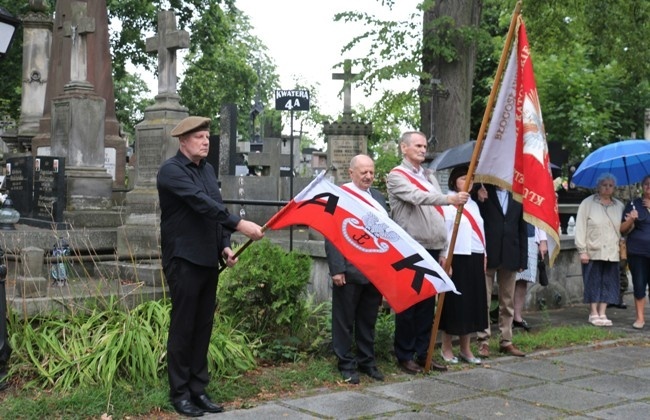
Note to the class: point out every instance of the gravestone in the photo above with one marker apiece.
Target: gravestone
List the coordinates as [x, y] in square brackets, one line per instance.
[37, 188]
[140, 235]
[37, 39]
[228, 140]
[49, 189]
[78, 126]
[345, 137]
[19, 180]
[80, 67]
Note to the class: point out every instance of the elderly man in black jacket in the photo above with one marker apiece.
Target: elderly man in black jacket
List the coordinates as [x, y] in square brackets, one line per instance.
[195, 228]
[355, 301]
[507, 254]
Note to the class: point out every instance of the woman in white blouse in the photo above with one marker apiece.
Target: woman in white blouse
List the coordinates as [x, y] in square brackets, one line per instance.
[466, 313]
[597, 237]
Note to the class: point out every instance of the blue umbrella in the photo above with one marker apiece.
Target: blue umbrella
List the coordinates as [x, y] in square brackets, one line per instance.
[627, 160]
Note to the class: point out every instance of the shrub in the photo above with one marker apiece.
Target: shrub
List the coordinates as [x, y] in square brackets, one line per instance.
[266, 293]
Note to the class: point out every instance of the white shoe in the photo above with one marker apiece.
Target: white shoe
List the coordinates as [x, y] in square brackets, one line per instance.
[595, 320]
[606, 322]
[452, 360]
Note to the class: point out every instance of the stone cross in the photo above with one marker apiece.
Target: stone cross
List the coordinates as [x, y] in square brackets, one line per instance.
[168, 40]
[76, 28]
[346, 76]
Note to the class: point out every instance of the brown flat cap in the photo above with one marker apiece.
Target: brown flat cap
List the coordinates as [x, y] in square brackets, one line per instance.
[190, 125]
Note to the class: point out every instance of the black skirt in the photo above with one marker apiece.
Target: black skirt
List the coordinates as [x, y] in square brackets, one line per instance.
[468, 312]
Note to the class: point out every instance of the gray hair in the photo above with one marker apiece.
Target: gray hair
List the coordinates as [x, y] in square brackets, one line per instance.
[406, 136]
[605, 176]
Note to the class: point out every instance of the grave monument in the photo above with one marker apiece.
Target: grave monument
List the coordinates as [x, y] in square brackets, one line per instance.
[37, 39]
[79, 121]
[345, 137]
[139, 236]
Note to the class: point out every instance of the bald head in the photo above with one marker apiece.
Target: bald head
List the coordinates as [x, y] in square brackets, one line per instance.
[362, 171]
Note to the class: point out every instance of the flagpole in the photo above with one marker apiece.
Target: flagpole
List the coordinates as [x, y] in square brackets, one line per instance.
[264, 229]
[470, 174]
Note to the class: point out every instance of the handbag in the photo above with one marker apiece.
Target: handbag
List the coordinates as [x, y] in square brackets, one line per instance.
[622, 249]
[541, 271]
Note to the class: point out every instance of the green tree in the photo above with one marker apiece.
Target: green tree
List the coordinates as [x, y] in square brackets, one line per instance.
[11, 66]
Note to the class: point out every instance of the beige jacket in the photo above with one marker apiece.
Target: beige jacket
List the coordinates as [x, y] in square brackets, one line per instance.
[597, 228]
[413, 209]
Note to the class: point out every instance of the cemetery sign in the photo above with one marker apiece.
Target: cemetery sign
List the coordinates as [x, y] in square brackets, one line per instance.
[291, 100]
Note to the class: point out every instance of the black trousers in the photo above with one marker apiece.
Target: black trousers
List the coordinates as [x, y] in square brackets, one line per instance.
[413, 327]
[193, 291]
[354, 314]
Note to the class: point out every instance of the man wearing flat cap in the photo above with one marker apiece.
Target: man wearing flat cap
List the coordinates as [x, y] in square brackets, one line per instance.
[195, 229]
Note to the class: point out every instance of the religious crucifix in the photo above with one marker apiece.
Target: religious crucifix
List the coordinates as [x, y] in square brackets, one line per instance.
[77, 28]
[168, 40]
[347, 77]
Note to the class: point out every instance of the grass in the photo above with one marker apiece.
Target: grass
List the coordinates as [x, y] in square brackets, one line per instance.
[267, 382]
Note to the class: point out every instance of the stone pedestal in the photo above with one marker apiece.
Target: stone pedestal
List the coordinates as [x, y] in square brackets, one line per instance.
[140, 235]
[31, 283]
[345, 139]
[78, 134]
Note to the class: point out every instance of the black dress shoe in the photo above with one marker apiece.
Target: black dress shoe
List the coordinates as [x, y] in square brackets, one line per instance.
[187, 409]
[373, 372]
[523, 324]
[615, 305]
[350, 376]
[204, 403]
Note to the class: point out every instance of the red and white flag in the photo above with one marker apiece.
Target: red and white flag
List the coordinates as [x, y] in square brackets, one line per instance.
[515, 153]
[401, 269]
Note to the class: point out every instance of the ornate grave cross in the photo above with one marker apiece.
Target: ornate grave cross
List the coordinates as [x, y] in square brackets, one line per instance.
[347, 77]
[77, 28]
[168, 40]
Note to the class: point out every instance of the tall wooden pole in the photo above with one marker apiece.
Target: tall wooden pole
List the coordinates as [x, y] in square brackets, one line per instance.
[470, 173]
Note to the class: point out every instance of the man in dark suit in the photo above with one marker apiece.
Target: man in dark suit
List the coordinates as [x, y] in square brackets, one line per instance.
[195, 228]
[355, 301]
[507, 254]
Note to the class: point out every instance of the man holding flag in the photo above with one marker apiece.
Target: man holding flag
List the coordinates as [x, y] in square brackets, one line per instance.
[413, 195]
[515, 156]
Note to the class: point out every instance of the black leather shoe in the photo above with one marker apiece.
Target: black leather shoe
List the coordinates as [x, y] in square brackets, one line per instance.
[523, 324]
[187, 409]
[350, 376]
[619, 306]
[204, 403]
[373, 372]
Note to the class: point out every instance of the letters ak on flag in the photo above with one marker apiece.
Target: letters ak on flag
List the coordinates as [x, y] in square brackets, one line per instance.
[515, 153]
[401, 269]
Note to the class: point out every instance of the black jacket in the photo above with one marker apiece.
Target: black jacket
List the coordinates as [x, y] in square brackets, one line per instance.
[506, 239]
[194, 223]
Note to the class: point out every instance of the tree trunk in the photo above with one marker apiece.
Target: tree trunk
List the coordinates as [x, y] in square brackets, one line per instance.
[446, 98]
